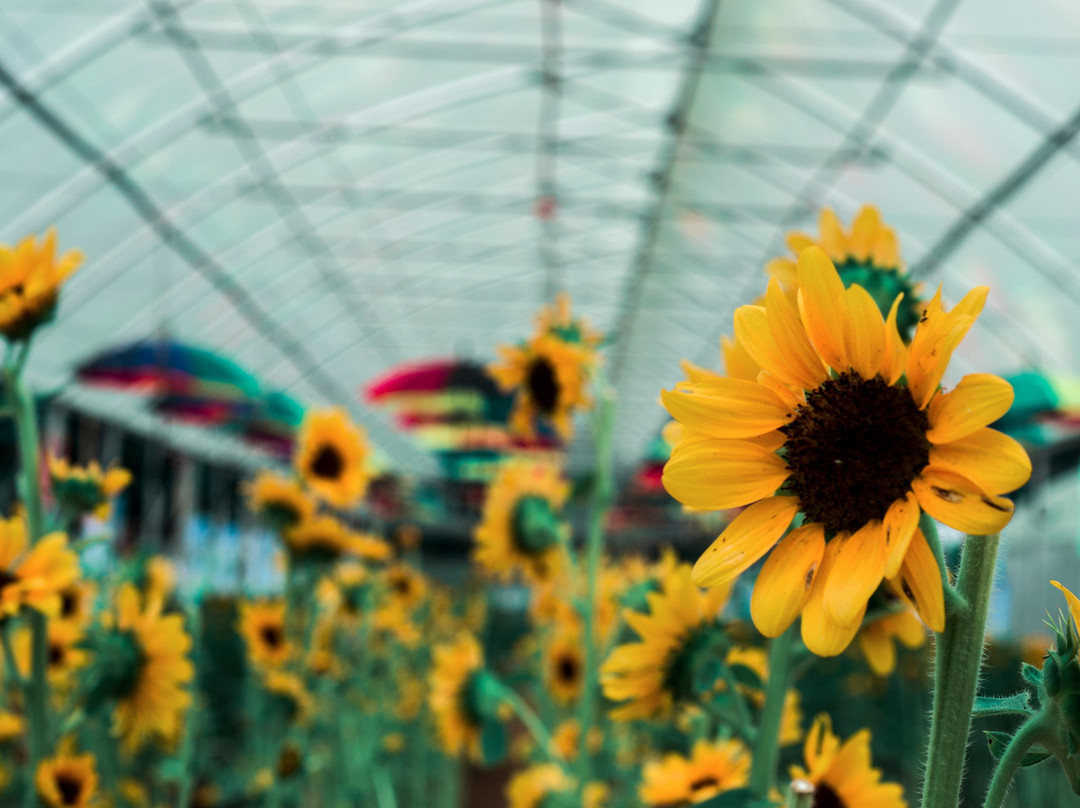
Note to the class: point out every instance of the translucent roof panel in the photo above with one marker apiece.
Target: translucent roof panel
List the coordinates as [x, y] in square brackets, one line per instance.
[323, 190]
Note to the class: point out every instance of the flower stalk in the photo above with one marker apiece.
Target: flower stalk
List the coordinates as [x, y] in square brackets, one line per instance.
[766, 747]
[1032, 732]
[957, 663]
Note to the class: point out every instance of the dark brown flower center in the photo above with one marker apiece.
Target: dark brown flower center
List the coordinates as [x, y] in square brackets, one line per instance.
[70, 788]
[543, 386]
[327, 462]
[69, 603]
[854, 449]
[56, 654]
[568, 669]
[708, 781]
[272, 636]
[825, 797]
[6, 578]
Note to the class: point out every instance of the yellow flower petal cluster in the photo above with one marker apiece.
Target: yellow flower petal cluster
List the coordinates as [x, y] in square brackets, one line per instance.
[33, 576]
[711, 768]
[332, 457]
[87, 489]
[30, 280]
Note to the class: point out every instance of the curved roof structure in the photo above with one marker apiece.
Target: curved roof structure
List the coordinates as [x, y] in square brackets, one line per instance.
[322, 189]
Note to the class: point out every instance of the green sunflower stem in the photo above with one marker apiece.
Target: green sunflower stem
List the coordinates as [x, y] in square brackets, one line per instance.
[957, 662]
[1030, 733]
[26, 429]
[766, 749]
[531, 721]
[601, 499]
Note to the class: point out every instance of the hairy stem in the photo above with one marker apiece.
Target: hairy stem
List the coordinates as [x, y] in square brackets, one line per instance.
[1027, 735]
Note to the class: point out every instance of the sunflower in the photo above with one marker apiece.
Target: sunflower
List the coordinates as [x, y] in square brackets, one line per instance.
[262, 625]
[564, 664]
[76, 603]
[557, 320]
[86, 489]
[141, 663]
[67, 780]
[289, 693]
[867, 255]
[332, 455]
[65, 655]
[30, 279]
[566, 739]
[522, 529]
[157, 578]
[876, 639]
[842, 774]
[678, 643]
[322, 539]
[848, 426]
[531, 787]
[11, 726]
[405, 587]
[280, 501]
[712, 767]
[454, 697]
[33, 576]
[757, 660]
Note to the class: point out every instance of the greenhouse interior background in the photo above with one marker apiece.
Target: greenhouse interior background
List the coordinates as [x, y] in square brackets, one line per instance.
[463, 240]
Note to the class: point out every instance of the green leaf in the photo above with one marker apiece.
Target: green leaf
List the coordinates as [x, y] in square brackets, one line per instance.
[1031, 674]
[746, 676]
[998, 741]
[1002, 705]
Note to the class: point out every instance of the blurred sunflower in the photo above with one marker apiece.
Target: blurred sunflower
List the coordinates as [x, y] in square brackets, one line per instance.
[12, 726]
[86, 489]
[678, 643]
[842, 773]
[566, 739]
[877, 639]
[320, 539]
[280, 501]
[757, 660]
[840, 392]
[456, 694]
[33, 576]
[331, 457]
[262, 625]
[405, 587]
[712, 768]
[564, 664]
[30, 279]
[522, 528]
[532, 787]
[65, 655]
[557, 320]
[289, 693]
[156, 579]
[868, 255]
[67, 780]
[76, 603]
[141, 663]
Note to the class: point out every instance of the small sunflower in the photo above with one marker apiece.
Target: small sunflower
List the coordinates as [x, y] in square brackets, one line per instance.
[557, 320]
[280, 501]
[86, 489]
[842, 774]
[323, 539]
[33, 576]
[522, 528]
[12, 727]
[876, 639]
[30, 279]
[712, 767]
[141, 663]
[289, 693]
[262, 625]
[65, 655]
[68, 780]
[405, 587]
[156, 578]
[564, 665]
[531, 787]
[456, 695]
[76, 603]
[566, 739]
[847, 425]
[332, 457]
[678, 641]
[867, 255]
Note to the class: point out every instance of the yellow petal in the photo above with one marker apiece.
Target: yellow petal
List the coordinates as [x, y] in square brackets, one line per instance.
[820, 632]
[753, 333]
[864, 232]
[797, 242]
[979, 399]
[713, 474]
[1074, 604]
[992, 460]
[783, 270]
[886, 254]
[865, 333]
[821, 303]
[783, 585]
[727, 408]
[790, 337]
[936, 338]
[738, 364]
[858, 570]
[832, 235]
[696, 373]
[745, 540]
[894, 363]
[900, 523]
[878, 649]
[919, 583]
[960, 503]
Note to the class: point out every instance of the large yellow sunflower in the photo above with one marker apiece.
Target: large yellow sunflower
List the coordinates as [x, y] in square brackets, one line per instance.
[281, 501]
[842, 774]
[848, 426]
[455, 666]
[332, 457]
[262, 625]
[564, 664]
[86, 489]
[33, 576]
[677, 642]
[711, 768]
[522, 530]
[30, 279]
[867, 255]
[67, 780]
[531, 787]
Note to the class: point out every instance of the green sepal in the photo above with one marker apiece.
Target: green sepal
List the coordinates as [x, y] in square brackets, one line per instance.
[1031, 674]
[998, 741]
[482, 697]
[1069, 707]
[1051, 676]
[493, 742]
[1002, 705]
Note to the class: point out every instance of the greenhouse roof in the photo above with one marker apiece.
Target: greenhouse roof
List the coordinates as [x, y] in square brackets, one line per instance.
[321, 190]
